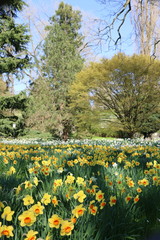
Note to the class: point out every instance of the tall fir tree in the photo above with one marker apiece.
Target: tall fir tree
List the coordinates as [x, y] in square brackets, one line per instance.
[11, 7]
[13, 39]
[62, 60]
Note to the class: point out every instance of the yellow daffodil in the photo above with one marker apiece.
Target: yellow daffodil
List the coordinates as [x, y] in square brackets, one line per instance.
[112, 201]
[54, 221]
[128, 198]
[54, 201]
[6, 231]
[143, 182]
[11, 171]
[139, 190]
[28, 200]
[70, 179]
[130, 183]
[66, 228]
[28, 184]
[18, 189]
[102, 205]
[37, 209]
[46, 163]
[35, 180]
[80, 181]
[27, 218]
[31, 235]
[99, 196]
[92, 208]
[78, 211]
[73, 219]
[46, 199]
[7, 213]
[136, 199]
[80, 196]
[57, 183]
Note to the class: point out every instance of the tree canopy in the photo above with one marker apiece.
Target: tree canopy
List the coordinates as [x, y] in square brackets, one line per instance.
[144, 19]
[61, 61]
[64, 98]
[12, 114]
[10, 7]
[13, 58]
[13, 39]
[126, 85]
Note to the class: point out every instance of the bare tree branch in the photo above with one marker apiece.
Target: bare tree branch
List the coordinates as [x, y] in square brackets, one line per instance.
[123, 20]
[121, 16]
[144, 18]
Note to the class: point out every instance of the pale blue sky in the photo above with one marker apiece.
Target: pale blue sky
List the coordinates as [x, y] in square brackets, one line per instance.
[39, 11]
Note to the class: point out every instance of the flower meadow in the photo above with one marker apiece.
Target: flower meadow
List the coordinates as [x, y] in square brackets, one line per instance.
[82, 190]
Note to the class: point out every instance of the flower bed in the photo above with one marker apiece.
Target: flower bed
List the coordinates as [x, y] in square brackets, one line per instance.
[81, 190]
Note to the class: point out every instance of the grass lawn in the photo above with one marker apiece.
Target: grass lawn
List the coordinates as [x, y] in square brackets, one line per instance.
[103, 138]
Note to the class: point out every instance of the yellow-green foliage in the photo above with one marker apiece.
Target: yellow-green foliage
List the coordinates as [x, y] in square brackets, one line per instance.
[127, 85]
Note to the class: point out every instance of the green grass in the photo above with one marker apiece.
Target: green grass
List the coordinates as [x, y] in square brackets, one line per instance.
[103, 138]
[36, 134]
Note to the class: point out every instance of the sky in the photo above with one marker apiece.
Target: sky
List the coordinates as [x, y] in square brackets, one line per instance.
[37, 14]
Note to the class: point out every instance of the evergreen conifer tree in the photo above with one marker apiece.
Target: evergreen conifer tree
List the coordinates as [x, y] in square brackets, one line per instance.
[62, 60]
[13, 41]
[13, 38]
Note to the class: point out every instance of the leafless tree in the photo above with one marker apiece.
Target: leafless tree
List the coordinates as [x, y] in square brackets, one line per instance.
[144, 15]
